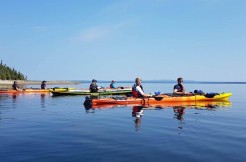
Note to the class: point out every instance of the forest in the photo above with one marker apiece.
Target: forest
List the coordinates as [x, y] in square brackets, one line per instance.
[8, 73]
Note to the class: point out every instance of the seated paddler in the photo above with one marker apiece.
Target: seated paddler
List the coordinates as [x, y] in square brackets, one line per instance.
[179, 88]
[93, 86]
[137, 89]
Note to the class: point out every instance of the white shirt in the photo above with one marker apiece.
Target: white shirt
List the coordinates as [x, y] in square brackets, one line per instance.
[138, 89]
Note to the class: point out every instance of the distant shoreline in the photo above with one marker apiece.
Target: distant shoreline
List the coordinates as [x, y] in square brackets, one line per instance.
[63, 82]
[36, 82]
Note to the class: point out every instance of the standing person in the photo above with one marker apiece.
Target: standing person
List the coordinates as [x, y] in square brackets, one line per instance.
[137, 89]
[112, 85]
[43, 84]
[15, 86]
[179, 88]
[93, 86]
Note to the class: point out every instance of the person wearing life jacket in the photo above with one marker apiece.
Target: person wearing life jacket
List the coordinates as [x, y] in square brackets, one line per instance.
[15, 86]
[179, 88]
[43, 85]
[137, 89]
[112, 85]
[93, 86]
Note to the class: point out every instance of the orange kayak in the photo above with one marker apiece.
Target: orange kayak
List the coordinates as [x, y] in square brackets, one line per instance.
[160, 99]
[30, 90]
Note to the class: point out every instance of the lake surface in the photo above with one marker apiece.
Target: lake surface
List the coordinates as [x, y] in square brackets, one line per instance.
[45, 128]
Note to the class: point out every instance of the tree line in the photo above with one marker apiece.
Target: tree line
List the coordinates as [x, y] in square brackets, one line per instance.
[8, 73]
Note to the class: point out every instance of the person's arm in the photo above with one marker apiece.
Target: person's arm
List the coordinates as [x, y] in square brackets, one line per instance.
[98, 87]
[113, 86]
[175, 91]
[18, 89]
[141, 92]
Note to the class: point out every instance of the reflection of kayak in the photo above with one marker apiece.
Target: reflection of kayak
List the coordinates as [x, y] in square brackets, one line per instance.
[37, 90]
[192, 104]
[87, 92]
[160, 99]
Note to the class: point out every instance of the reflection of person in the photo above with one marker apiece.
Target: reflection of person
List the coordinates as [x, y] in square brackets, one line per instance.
[179, 111]
[15, 86]
[43, 85]
[137, 89]
[93, 86]
[179, 88]
[137, 112]
[42, 100]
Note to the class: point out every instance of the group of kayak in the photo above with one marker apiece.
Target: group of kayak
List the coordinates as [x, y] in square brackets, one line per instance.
[138, 97]
[132, 95]
[57, 91]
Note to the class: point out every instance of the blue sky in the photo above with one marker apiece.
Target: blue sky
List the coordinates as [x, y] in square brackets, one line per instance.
[201, 40]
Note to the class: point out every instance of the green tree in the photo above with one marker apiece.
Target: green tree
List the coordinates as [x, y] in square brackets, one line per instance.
[7, 73]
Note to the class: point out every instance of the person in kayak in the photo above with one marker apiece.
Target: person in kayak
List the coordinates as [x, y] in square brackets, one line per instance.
[179, 88]
[43, 85]
[112, 85]
[15, 86]
[93, 86]
[137, 89]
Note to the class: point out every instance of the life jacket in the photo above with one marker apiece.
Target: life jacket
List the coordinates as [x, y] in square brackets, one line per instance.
[43, 86]
[179, 87]
[135, 92]
[112, 85]
[15, 86]
[93, 88]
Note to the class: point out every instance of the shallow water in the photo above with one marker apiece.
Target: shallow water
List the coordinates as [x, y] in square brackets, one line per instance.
[45, 128]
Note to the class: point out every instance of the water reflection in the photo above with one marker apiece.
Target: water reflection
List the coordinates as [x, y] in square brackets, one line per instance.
[42, 96]
[137, 112]
[89, 109]
[179, 109]
[179, 112]
[14, 97]
[7, 101]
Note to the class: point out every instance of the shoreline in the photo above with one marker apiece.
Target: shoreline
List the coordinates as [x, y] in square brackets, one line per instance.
[36, 82]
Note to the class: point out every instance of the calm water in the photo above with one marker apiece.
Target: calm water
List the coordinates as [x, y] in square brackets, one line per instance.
[45, 128]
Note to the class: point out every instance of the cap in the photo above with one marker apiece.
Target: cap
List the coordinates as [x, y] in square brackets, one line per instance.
[94, 80]
[44, 81]
[112, 80]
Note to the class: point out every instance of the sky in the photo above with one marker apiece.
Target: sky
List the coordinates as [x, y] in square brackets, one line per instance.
[202, 40]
